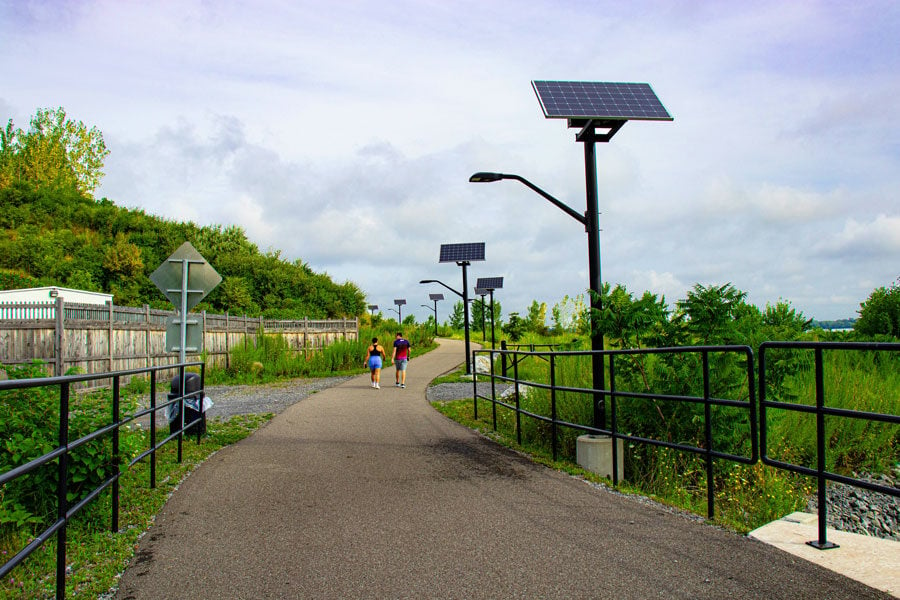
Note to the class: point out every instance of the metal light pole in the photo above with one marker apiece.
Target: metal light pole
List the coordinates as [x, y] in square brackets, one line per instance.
[591, 223]
[482, 292]
[434, 298]
[465, 299]
[400, 302]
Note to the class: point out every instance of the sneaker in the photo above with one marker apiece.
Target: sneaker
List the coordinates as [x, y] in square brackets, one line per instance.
[377, 387]
[403, 385]
[397, 383]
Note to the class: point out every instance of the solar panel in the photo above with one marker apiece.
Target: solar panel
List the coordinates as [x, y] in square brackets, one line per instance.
[490, 283]
[400, 301]
[436, 296]
[462, 252]
[482, 291]
[599, 100]
[373, 307]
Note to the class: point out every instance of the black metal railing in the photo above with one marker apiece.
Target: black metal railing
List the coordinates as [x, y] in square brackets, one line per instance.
[821, 410]
[755, 421]
[746, 403]
[65, 512]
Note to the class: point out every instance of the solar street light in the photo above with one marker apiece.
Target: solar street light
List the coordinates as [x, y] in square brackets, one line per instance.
[599, 110]
[399, 302]
[373, 308]
[434, 298]
[490, 284]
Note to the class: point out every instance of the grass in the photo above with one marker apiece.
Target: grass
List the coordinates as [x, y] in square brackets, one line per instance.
[95, 556]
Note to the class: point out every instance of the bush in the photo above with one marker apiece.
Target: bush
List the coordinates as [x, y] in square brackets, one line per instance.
[30, 429]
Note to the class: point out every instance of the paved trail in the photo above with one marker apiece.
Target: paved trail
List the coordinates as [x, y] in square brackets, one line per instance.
[362, 493]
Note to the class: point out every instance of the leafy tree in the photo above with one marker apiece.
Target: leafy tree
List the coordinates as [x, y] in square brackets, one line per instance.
[536, 320]
[56, 152]
[570, 315]
[710, 310]
[515, 328]
[880, 313]
[457, 318]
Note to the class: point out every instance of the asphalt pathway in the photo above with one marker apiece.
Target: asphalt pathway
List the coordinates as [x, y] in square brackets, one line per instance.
[363, 493]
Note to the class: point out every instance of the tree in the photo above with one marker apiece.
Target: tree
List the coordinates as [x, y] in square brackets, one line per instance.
[880, 313]
[56, 152]
[710, 310]
[457, 318]
[515, 327]
[570, 315]
[536, 321]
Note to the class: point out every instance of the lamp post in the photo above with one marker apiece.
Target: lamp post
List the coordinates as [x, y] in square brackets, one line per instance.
[465, 299]
[591, 223]
[434, 298]
[482, 292]
[399, 302]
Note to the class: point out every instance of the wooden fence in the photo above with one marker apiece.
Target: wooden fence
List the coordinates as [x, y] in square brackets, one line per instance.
[100, 338]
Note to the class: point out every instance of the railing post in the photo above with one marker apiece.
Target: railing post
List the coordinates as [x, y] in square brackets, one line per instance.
[62, 491]
[153, 430]
[475, 389]
[553, 441]
[518, 414]
[493, 391]
[114, 527]
[503, 358]
[707, 419]
[822, 543]
[613, 423]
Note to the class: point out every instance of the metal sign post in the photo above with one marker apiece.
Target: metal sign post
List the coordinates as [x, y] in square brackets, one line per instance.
[185, 287]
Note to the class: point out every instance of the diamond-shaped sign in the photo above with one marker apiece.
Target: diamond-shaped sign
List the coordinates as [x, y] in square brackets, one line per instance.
[201, 277]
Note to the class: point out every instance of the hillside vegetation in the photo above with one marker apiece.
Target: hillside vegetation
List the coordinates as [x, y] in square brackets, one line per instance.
[55, 233]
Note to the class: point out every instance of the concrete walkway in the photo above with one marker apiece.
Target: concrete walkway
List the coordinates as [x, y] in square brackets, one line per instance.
[362, 493]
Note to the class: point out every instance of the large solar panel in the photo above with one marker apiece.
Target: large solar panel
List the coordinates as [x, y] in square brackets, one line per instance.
[462, 252]
[400, 301]
[490, 283]
[436, 296]
[373, 307]
[599, 100]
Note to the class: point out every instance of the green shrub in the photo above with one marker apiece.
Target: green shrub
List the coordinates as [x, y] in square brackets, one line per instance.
[30, 429]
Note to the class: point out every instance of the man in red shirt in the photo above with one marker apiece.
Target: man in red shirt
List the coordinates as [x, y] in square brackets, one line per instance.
[400, 358]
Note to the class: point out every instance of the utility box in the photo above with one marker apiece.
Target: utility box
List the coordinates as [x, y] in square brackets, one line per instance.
[594, 453]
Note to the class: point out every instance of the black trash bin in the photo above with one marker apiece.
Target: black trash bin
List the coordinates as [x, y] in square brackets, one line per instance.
[192, 396]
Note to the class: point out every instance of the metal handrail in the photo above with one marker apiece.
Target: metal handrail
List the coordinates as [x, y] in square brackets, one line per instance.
[756, 381]
[821, 410]
[615, 394]
[66, 512]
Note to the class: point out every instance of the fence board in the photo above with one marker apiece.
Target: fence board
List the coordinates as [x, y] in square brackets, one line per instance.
[101, 338]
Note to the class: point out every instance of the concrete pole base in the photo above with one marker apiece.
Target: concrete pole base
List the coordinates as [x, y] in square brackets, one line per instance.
[594, 453]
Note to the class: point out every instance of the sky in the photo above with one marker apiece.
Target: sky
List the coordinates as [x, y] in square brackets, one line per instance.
[343, 134]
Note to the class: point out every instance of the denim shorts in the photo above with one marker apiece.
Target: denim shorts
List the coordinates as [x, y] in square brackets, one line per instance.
[400, 363]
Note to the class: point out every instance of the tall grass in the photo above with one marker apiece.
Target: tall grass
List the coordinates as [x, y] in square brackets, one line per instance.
[271, 358]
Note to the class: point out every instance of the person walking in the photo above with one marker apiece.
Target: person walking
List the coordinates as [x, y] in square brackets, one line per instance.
[399, 358]
[374, 358]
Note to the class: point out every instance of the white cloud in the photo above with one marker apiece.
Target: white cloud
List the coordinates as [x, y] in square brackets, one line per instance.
[344, 134]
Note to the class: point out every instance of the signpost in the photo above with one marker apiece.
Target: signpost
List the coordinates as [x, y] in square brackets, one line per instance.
[185, 279]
